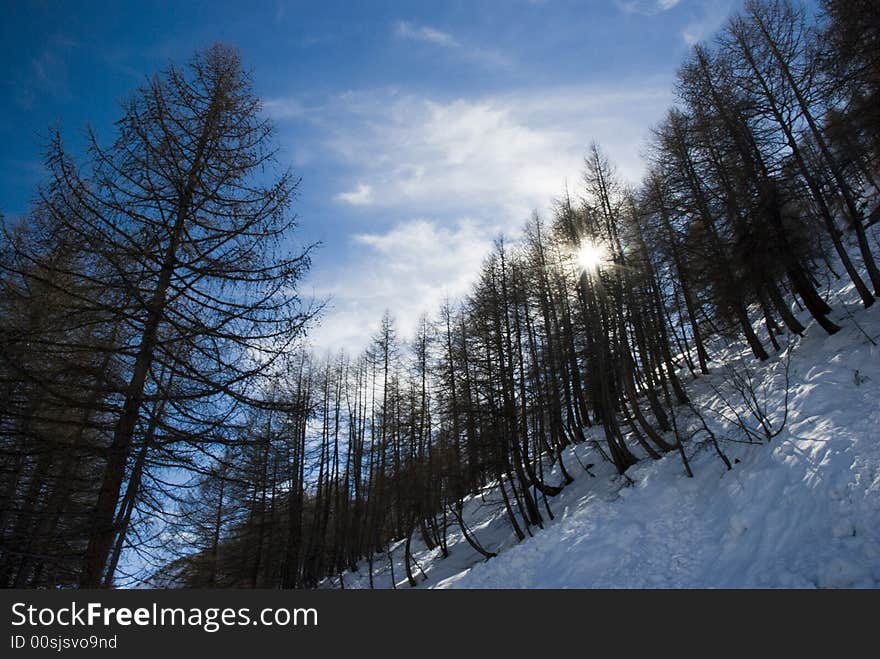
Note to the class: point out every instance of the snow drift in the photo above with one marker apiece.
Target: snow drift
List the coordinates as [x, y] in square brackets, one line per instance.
[800, 510]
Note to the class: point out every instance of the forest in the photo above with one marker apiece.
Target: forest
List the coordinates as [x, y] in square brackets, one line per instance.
[163, 420]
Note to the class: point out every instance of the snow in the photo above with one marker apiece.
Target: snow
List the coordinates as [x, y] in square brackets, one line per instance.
[801, 510]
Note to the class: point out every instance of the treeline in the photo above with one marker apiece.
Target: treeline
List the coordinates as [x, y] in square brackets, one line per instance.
[144, 302]
[255, 465]
[759, 179]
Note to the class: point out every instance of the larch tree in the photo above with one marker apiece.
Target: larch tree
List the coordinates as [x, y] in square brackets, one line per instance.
[189, 230]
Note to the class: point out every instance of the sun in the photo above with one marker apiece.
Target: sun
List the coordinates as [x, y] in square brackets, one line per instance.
[590, 256]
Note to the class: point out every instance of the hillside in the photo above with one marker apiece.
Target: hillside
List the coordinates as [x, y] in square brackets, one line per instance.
[801, 510]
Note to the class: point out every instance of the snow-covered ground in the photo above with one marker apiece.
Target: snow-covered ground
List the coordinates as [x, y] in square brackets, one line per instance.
[801, 510]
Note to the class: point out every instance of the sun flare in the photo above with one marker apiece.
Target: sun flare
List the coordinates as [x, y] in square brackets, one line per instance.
[590, 256]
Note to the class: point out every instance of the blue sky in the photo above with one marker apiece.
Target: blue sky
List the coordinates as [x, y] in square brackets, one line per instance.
[421, 130]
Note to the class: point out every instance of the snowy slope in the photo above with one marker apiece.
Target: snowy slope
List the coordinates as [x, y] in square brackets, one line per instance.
[799, 511]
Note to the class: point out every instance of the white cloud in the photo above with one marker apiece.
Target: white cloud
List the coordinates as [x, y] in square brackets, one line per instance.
[645, 7]
[284, 108]
[713, 16]
[361, 195]
[706, 16]
[693, 33]
[491, 159]
[407, 30]
[498, 156]
[420, 164]
[431, 35]
[408, 269]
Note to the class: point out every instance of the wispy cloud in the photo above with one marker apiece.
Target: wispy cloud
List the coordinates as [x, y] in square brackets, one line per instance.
[712, 16]
[420, 165]
[48, 72]
[705, 16]
[360, 196]
[408, 269]
[645, 7]
[433, 36]
[501, 155]
[284, 108]
[407, 30]
[280, 11]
